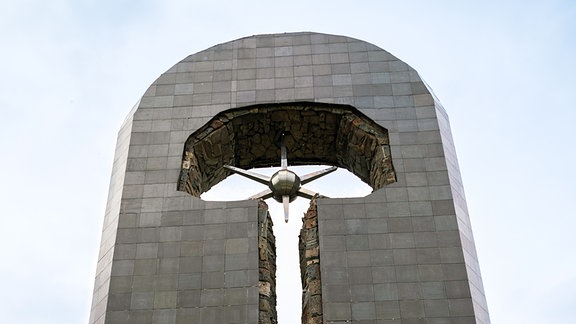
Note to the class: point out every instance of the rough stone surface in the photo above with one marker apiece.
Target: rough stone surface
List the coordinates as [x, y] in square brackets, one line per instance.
[314, 133]
[308, 247]
[267, 267]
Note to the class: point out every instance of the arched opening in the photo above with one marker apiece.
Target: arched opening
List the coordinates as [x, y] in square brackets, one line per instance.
[315, 133]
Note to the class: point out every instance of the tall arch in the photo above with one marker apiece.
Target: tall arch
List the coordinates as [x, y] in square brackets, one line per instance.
[167, 256]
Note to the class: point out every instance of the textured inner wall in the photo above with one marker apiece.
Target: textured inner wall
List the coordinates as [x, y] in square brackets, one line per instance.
[404, 253]
[308, 247]
[314, 133]
[267, 267]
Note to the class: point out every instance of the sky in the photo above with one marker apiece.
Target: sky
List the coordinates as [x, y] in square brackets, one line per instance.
[71, 70]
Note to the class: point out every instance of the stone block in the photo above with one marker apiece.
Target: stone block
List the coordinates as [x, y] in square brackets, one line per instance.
[357, 243]
[142, 300]
[145, 267]
[144, 283]
[361, 293]
[188, 315]
[461, 307]
[433, 290]
[165, 299]
[337, 311]
[336, 275]
[336, 293]
[213, 279]
[212, 263]
[407, 273]
[385, 292]
[408, 290]
[236, 278]
[168, 265]
[164, 316]
[167, 282]
[190, 281]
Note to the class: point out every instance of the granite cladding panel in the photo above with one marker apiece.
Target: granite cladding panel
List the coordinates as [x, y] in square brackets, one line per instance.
[381, 267]
[210, 262]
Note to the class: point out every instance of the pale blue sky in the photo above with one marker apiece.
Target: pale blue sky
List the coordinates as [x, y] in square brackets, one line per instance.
[71, 70]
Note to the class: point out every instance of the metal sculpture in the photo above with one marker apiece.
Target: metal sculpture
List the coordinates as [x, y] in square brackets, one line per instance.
[284, 185]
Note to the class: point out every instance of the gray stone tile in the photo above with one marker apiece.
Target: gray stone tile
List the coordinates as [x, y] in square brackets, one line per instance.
[355, 225]
[436, 308]
[381, 257]
[213, 279]
[236, 296]
[400, 225]
[388, 311]
[383, 274]
[385, 292]
[363, 311]
[334, 259]
[401, 241]
[164, 316]
[337, 311]
[461, 307]
[332, 227]
[446, 223]
[170, 234]
[211, 297]
[142, 300]
[333, 243]
[166, 282]
[120, 284]
[144, 283]
[238, 278]
[145, 267]
[407, 273]
[336, 275]
[146, 250]
[457, 289]
[408, 290]
[336, 293]
[165, 299]
[119, 301]
[357, 243]
[237, 262]
[213, 262]
[412, 308]
[125, 251]
[190, 281]
[404, 256]
[188, 298]
[358, 258]
[190, 265]
[429, 238]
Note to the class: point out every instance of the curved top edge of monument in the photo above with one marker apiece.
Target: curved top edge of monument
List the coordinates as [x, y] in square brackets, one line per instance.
[285, 67]
[288, 39]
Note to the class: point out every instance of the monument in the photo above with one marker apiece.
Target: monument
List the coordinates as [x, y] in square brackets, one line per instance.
[403, 254]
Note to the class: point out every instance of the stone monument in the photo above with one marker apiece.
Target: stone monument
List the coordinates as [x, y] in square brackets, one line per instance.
[403, 254]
